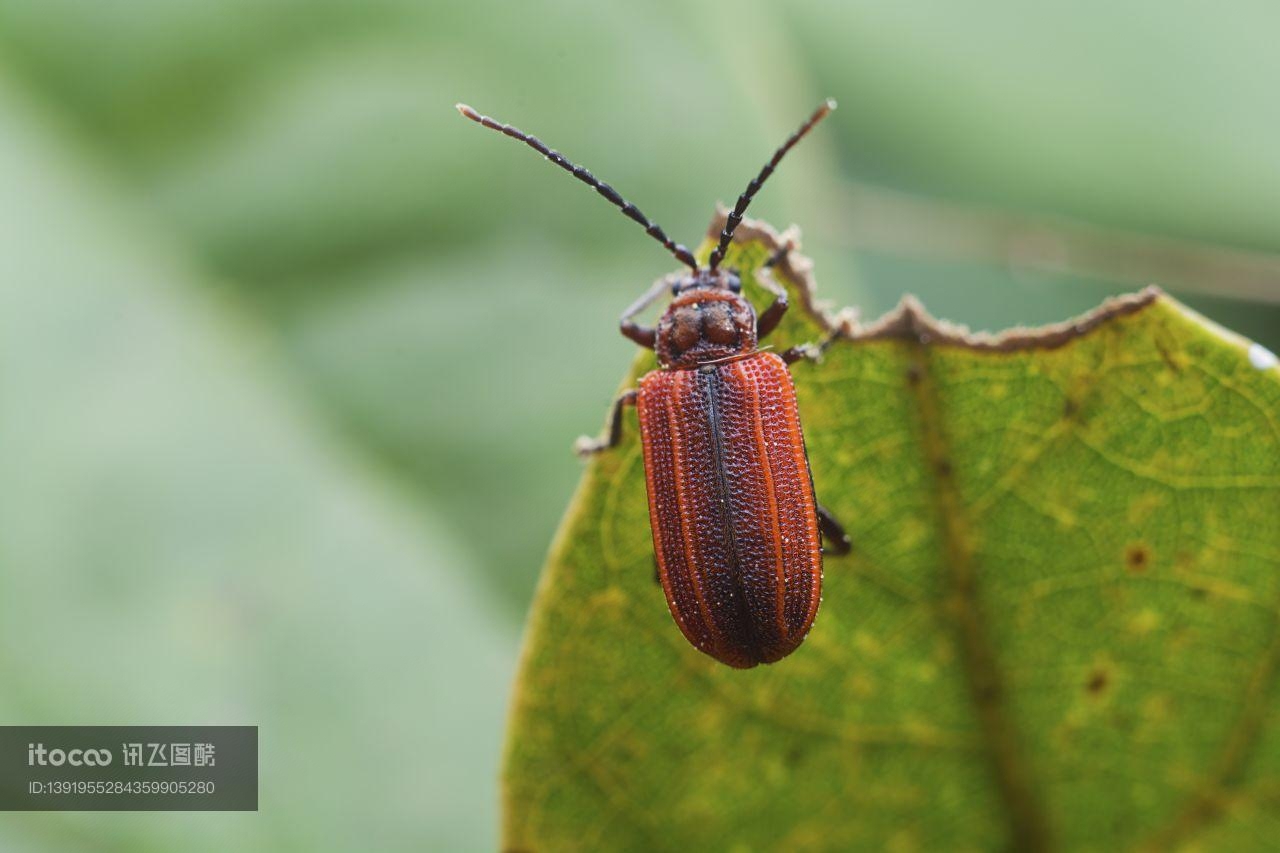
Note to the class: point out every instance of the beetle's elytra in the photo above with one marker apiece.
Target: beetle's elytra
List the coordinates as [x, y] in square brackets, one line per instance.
[736, 528]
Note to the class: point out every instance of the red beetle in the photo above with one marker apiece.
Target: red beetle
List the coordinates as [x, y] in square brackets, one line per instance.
[736, 527]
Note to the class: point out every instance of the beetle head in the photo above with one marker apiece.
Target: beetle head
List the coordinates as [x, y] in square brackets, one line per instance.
[708, 319]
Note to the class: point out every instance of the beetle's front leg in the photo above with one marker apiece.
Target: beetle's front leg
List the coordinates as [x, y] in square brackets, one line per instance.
[645, 336]
[773, 314]
[587, 446]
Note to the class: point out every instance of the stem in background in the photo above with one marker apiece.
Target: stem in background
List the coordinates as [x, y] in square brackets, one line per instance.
[878, 219]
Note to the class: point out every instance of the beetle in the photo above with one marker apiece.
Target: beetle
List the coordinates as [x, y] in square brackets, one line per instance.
[737, 531]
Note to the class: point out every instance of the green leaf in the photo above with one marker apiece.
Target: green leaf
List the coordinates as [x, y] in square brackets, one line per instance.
[1057, 628]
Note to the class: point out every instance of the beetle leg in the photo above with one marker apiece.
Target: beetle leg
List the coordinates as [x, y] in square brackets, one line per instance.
[833, 532]
[645, 336]
[782, 252]
[773, 314]
[794, 354]
[810, 351]
[586, 446]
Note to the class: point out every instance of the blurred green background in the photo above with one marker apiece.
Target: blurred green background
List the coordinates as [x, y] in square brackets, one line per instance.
[292, 357]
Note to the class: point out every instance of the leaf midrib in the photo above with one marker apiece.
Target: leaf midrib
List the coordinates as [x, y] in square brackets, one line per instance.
[1027, 822]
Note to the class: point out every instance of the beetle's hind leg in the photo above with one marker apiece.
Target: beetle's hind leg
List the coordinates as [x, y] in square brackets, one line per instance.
[587, 446]
[837, 541]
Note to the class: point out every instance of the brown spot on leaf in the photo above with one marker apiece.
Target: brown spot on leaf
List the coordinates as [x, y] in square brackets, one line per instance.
[1098, 682]
[1137, 559]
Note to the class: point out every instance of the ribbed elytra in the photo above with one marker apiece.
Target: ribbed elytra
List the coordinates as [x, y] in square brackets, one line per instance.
[736, 527]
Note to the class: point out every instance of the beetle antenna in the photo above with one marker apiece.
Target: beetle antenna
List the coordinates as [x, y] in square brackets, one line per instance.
[683, 255]
[735, 216]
